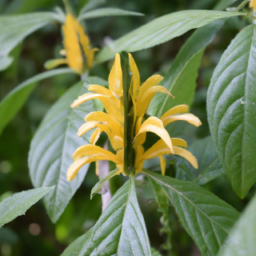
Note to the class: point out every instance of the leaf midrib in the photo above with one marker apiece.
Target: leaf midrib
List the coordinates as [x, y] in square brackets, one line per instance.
[167, 185]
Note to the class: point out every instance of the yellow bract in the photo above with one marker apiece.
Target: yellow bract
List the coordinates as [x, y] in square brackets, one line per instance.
[78, 52]
[253, 4]
[112, 122]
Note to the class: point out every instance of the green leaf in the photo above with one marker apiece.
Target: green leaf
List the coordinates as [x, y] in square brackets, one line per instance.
[119, 231]
[91, 4]
[19, 203]
[162, 30]
[103, 12]
[97, 187]
[5, 62]
[209, 165]
[11, 104]
[223, 4]
[241, 241]
[155, 252]
[180, 80]
[163, 207]
[53, 145]
[14, 28]
[206, 218]
[231, 105]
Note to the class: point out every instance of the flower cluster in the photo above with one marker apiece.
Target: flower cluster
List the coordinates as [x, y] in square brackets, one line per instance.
[113, 123]
[77, 49]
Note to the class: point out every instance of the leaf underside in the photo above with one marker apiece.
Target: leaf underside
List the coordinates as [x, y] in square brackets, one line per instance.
[53, 145]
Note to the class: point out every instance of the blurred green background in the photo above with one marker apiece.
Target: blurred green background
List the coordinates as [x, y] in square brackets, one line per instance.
[34, 234]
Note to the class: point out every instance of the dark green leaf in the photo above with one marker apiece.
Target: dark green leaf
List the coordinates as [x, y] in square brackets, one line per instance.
[180, 80]
[208, 162]
[163, 207]
[206, 218]
[102, 12]
[155, 252]
[223, 4]
[162, 30]
[100, 183]
[91, 4]
[5, 62]
[14, 28]
[19, 203]
[231, 107]
[53, 145]
[119, 231]
[11, 104]
[241, 241]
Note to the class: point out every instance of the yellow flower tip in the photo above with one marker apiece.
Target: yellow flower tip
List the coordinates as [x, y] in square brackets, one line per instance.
[74, 168]
[253, 4]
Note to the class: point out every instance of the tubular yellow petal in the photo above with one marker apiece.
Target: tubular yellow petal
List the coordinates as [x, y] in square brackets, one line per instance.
[110, 106]
[150, 82]
[95, 136]
[49, 64]
[86, 127]
[190, 118]
[97, 169]
[155, 125]
[176, 110]
[115, 78]
[162, 164]
[144, 100]
[99, 116]
[71, 45]
[187, 155]
[135, 76]
[93, 150]
[139, 165]
[77, 165]
[138, 124]
[179, 142]
[253, 4]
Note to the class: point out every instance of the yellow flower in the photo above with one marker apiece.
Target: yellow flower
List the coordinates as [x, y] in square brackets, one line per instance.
[79, 55]
[112, 123]
[253, 4]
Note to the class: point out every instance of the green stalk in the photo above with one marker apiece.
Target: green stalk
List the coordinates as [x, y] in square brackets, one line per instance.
[128, 116]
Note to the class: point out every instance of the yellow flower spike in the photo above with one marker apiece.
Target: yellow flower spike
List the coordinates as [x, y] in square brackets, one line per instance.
[180, 109]
[155, 125]
[150, 82]
[135, 76]
[162, 164]
[144, 100]
[110, 106]
[95, 136]
[253, 4]
[115, 78]
[190, 118]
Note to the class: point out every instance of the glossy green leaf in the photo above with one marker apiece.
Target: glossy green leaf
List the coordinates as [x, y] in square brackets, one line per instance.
[209, 164]
[180, 79]
[223, 4]
[231, 107]
[19, 203]
[162, 30]
[103, 12]
[97, 187]
[206, 218]
[120, 230]
[53, 145]
[14, 28]
[241, 241]
[11, 104]
[163, 207]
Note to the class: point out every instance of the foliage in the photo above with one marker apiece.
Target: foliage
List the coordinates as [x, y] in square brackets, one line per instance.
[162, 199]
